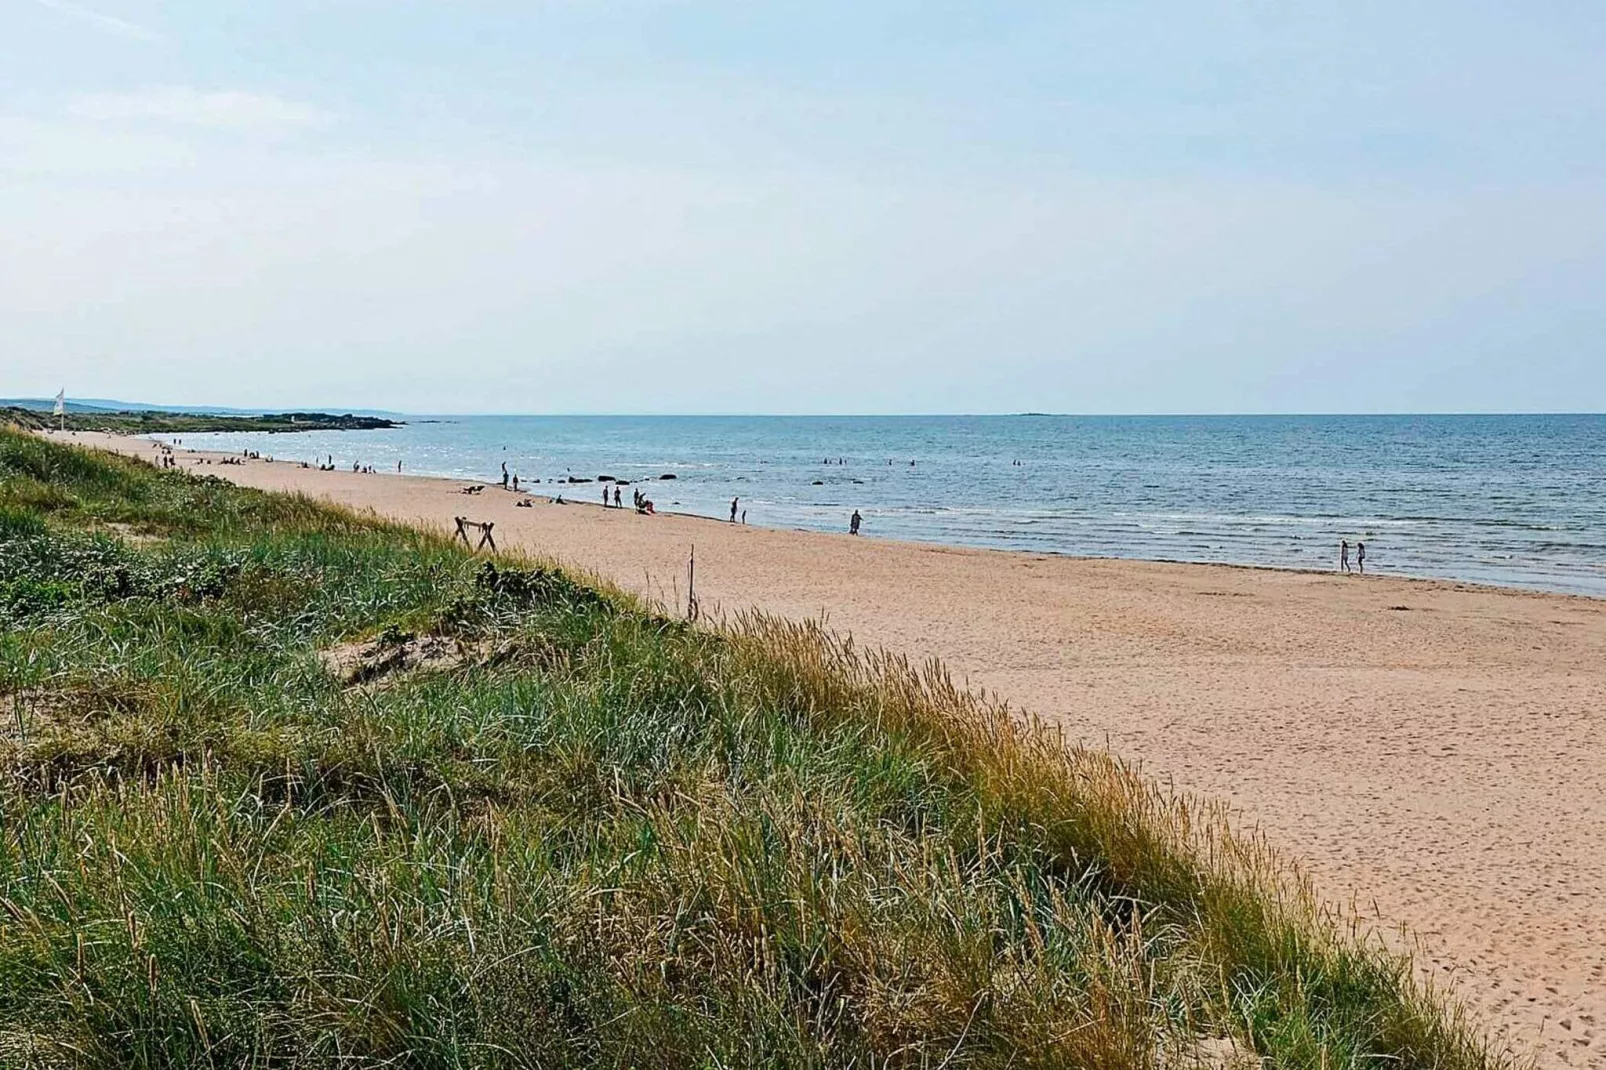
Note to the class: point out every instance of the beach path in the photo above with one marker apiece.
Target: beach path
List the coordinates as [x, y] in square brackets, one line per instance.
[1433, 751]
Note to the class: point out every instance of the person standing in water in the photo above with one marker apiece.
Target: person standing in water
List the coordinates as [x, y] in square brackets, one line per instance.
[616, 504]
[1343, 555]
[733, 509]
[1360, 558]
[853, 523]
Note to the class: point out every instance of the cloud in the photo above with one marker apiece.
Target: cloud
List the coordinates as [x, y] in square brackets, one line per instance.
[194, 107]
[108, 23]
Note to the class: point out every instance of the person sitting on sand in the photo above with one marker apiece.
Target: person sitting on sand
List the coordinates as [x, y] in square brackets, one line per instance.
[853, 523]
[1343, 555]
[1360, 558]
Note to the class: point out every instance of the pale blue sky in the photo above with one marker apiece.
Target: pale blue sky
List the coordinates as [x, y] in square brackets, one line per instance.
[573, 206]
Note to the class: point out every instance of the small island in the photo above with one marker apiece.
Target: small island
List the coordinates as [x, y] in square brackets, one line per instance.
[150, 422]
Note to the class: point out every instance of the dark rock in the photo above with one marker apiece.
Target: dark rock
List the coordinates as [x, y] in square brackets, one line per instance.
[667, 475]
[607, 479]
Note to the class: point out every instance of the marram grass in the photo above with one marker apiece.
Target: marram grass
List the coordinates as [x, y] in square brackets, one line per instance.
[593, 836]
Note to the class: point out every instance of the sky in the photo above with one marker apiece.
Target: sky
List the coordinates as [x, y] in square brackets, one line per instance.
[549, 206]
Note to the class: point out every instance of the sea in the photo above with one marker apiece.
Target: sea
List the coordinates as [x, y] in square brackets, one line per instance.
[1511, 500]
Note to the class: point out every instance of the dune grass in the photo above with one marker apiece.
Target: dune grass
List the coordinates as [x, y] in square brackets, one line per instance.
[595, 837]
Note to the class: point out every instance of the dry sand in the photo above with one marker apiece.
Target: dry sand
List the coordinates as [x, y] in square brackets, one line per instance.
[1430, 750]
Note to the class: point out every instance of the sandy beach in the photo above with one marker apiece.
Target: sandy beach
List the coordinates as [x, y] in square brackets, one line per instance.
[1432, 752]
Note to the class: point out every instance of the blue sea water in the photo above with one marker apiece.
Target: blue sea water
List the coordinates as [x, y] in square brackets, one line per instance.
[1514, 500]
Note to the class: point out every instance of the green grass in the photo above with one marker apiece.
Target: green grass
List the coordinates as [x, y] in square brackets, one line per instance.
[602, 838]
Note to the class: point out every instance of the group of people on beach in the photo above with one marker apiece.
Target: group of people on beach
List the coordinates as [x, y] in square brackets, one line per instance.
[327, 464]
[1360, 556]
[612, 496]
[165, 457]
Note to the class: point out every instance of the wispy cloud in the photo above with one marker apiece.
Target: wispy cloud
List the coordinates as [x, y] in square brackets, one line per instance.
[195, 107]
[108, 23]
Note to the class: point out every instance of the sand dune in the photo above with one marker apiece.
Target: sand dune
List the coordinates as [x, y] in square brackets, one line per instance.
[1431, 751]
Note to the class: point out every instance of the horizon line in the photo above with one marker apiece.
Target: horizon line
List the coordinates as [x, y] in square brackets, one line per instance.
[750, 414]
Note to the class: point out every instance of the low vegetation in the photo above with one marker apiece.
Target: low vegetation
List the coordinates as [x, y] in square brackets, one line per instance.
[282, 786]
[182, 423]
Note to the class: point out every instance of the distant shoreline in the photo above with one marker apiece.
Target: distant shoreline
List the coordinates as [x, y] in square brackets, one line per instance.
[153, 422]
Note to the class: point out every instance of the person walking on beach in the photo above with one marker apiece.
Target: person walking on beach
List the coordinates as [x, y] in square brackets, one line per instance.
[1360, 558]
[733, 509]
[504, 475]
[853, 523]
[1343, 555]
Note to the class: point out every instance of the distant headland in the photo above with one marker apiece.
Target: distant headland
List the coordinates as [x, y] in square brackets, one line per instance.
[154, 421]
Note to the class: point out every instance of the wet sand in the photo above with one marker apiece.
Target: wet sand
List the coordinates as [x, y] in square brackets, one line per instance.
[1432, 751]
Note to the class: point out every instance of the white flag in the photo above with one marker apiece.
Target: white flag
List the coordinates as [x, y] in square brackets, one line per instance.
[61, 403]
